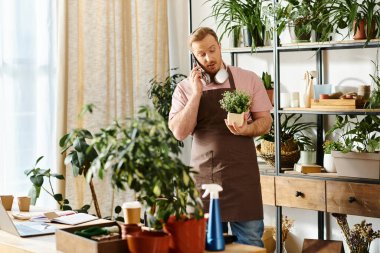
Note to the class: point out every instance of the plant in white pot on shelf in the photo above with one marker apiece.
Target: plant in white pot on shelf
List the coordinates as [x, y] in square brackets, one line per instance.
[328, 159]
[236, 103]
[359, 156]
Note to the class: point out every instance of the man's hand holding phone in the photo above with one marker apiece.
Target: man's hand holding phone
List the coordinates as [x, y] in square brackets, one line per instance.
[196, 78]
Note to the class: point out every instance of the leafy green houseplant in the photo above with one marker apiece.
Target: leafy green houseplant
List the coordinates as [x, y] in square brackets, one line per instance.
[140, 154]
[81, 154]
[328, 159]
[37, 176]
[236, 14]
[293, 139]
[374, 99]
[359, 155]
[236, 103]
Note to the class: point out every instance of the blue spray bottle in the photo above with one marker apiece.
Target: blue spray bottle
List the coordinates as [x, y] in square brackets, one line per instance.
[214, 237]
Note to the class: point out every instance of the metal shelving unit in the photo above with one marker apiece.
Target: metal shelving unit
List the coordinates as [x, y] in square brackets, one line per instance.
[277, 111]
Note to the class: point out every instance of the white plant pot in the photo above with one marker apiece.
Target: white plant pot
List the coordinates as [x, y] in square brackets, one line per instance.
[307, 157]
[354, 164]
[237, 118]
[328, 163]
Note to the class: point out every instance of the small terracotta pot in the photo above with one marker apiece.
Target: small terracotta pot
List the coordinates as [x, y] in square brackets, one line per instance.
[129, 229]
[148, 242]
[270, 95]
[360, 32]
[7, 201]
[23, 204]
[186, 236]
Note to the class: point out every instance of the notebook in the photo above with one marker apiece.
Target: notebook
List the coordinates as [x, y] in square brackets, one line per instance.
[72, 219]
[23, 229]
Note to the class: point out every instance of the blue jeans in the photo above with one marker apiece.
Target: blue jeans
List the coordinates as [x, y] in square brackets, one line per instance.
[247, 232]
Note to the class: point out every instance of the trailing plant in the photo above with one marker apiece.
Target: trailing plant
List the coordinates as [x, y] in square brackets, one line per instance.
[374, 99]
[37, 176]
[81, 154]
[357, 134]
[235, 101]
[267, 80]
[291, 130]
[141, 154]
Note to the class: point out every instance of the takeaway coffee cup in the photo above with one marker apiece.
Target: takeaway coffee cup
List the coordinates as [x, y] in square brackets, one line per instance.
[131, 212]
[23, 204]
[7, 201]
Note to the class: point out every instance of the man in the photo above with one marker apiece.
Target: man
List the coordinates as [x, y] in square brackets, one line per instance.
[221, 153]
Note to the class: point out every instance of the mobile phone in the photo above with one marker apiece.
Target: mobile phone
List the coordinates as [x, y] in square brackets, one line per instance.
[205, 77]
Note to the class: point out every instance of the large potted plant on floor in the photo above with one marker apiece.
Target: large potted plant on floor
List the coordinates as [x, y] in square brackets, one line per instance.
[141, 154]
[360, 156]
[293, 139]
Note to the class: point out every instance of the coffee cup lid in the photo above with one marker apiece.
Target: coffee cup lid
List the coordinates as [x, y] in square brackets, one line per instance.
[132, 204]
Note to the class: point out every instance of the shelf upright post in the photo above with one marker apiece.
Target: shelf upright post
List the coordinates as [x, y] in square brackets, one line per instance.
[320, 119]
[277, 140]
[190, 8]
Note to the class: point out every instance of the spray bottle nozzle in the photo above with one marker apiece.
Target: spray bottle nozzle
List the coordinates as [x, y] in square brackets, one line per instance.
[212, 189]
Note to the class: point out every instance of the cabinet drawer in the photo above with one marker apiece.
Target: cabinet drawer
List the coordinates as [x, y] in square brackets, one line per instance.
[353, 198]
[267, 189]
[300, 193]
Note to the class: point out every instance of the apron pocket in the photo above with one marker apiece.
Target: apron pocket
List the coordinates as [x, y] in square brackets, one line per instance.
[203, 164]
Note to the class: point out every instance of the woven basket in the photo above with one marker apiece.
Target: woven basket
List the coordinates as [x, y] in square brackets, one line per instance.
[288, 158]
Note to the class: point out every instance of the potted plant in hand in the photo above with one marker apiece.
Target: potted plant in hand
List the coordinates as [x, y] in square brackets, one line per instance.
[141, 154]
[359, 155]
[268, 84]
[293, 139]
[236, 103]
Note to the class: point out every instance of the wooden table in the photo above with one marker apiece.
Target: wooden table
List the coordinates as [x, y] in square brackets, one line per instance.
[46, 244]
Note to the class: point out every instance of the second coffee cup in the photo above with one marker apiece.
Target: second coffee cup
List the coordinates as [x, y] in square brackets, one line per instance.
[131, 212]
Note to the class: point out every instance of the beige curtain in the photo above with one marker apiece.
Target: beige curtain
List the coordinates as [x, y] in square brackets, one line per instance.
[108, 51]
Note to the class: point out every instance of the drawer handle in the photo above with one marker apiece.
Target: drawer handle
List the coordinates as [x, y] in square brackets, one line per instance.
[351, 199]
[299, 194]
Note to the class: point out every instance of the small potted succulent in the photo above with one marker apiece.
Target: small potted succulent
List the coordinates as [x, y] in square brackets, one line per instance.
[328, 159]
[236, 103]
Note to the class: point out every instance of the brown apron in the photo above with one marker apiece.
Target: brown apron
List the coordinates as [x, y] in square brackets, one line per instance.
[226, 159]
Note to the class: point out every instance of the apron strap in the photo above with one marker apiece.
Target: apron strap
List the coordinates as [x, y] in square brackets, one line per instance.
[231, 79]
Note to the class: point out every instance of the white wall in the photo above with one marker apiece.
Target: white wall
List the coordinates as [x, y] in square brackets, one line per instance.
[343, 67]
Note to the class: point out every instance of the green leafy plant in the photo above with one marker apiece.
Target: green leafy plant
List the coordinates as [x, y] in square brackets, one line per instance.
[374, 99]
[291, 131]
[37, 176]
[81, 154]
[329, 146]
[357, 134]
[161, 92]
[235, 101]
[140, 153]
[267, 80]
[117, 215]
[236, 14]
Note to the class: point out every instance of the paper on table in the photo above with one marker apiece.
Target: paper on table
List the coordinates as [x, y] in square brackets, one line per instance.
[74, 219]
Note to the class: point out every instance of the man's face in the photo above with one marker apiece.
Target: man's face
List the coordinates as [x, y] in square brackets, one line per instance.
[208, 54]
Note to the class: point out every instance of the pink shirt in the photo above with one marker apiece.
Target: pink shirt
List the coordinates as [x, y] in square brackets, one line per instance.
[245, 80]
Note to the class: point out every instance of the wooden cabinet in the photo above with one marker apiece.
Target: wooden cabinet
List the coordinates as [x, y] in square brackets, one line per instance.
[300, 193]
[267, 190]
[353, 198]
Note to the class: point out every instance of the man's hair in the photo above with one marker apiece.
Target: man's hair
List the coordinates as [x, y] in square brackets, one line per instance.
[199, 34]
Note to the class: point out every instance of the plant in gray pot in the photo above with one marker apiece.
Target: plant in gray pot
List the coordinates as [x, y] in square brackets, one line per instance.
[359, 156]
[246, 15]
[141, 154]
